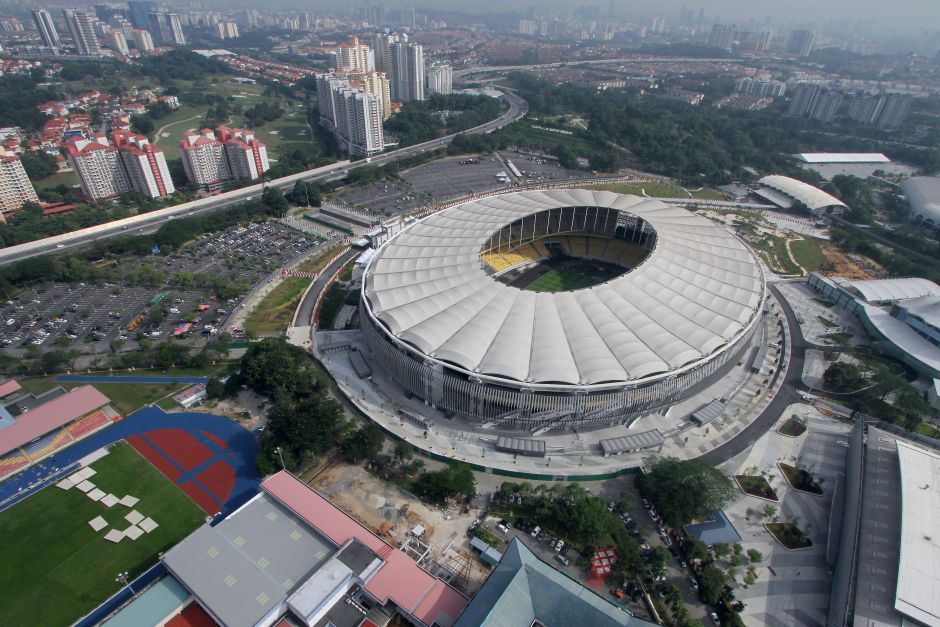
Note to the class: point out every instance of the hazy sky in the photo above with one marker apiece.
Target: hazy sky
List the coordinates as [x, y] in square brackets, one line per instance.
[912, 15]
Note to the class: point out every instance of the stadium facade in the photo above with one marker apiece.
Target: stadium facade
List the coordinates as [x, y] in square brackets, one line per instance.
[439, 321]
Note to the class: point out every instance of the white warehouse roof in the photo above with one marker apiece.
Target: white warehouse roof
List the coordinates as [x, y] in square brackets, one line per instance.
[813, 197]
[886, 290]
[923, 192]
[697, 292]
[842, 157]
[918, 590]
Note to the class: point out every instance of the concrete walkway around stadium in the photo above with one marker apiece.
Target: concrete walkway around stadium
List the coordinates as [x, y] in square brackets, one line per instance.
[65, 461]
[792, 587]
[572, 454]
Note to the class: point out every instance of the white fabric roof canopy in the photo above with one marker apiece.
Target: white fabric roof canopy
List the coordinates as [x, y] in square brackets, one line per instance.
[813, 197]
[699, 289]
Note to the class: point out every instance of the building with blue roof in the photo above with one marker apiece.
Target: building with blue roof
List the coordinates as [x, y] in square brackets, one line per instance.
[719, 530]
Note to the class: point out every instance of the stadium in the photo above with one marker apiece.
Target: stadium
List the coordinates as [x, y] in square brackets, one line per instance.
[564, 308]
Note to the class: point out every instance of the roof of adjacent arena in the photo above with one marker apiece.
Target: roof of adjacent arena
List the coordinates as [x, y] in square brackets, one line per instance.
[697, 292]
[813, 197]
[842, 157]
[918, 591]
[923, 192]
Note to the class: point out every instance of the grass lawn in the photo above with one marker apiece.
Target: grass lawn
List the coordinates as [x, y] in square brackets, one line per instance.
[56, 569]
[556, 280]
[170, 130]
[660, 190]
[129, 397]
[60, 178]
[275, 311]
[929, 430]
[808, 254]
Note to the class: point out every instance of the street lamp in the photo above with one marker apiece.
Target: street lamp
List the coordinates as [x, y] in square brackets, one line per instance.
[281, 457]
[122, 578]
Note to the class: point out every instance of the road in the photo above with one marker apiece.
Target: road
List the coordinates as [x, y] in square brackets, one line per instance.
[152, 221]
[305, 313]
[786, 395]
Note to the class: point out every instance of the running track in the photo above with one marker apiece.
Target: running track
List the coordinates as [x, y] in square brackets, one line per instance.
[221, 438]
[90, 378]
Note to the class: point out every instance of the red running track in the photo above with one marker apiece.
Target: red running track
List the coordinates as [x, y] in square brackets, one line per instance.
[154, 457]
[219, 478]
[181, 446]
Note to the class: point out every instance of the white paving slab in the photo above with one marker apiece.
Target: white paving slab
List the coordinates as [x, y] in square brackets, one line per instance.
[66, 484]
[86, 486]
[133, 532]
[114, 536]
[148, 524]
[95, 495]
[98, 523]
[134, 517]
[109, 500]
[130, 501]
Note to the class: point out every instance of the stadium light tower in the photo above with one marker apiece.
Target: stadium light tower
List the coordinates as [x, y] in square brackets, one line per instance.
[122, 578]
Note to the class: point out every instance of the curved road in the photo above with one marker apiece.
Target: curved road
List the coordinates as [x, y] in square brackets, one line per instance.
[786, 395]
[152, 221]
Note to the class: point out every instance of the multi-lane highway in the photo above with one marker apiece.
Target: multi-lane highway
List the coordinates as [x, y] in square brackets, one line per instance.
[150, 222]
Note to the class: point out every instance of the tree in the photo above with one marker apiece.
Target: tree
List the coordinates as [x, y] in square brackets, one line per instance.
[712, 582]
[685, 490]
[843, 377]
[363, 443]
[755, 556]
[278, 370]
[456, 478]
[155, 316]
[660, 557]
[314, 426]
[404, 450]
[696, 549]
[770, 511]
[143, 124]
[274, 200]
[721, 550]
[215, 388]
[38, 164]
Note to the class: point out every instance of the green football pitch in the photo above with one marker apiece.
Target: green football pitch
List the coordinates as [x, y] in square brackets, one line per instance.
[56, 568]
[561, 280]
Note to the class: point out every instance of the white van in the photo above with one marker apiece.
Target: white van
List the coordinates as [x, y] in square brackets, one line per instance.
[535, 532]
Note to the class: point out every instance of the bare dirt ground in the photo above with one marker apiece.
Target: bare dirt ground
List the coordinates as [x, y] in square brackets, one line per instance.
[848, 267]
[391, 512]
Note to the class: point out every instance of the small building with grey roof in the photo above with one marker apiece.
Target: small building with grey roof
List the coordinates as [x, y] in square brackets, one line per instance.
[523, 591]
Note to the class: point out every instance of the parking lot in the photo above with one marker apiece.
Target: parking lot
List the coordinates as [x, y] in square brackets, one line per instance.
[453, 177]
[184, 288]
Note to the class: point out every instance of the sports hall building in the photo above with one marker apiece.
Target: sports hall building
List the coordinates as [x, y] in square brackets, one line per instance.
[445, 310]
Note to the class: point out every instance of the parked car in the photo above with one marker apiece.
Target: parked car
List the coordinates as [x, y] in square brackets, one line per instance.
[564, 560]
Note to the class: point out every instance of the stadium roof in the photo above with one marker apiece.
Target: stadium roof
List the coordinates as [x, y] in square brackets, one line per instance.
[813, 197]
[696, 293]
[50, 416]
[523, 589]
[923, 192]
[842, 157]
[400, 579]
[244, 567]
[885, 290]
[918, 590]
[9, 387]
